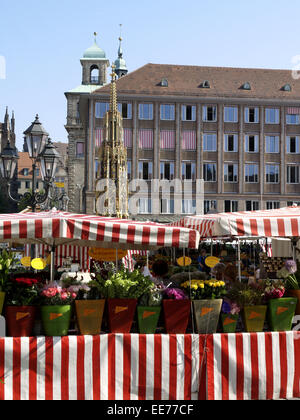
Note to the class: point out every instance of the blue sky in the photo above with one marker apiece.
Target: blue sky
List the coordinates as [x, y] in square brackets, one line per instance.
[42, 42]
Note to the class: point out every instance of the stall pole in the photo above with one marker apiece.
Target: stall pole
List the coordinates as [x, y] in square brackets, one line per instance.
[117, 259]
[52, 260]
[239, 261]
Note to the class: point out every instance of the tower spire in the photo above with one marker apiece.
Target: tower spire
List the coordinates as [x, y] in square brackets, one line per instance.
[121, 68]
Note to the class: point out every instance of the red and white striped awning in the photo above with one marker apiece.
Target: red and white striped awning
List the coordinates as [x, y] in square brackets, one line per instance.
[59, 228]
[284, 222]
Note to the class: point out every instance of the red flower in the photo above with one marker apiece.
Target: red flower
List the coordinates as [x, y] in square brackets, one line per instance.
[26, 281]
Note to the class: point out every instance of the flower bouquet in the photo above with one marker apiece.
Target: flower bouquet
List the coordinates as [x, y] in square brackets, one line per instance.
[148, 310]
[56, 309]
[7, 259]
[20, 305]
[229, 316]
[289, 273]
[177, 308]
[206, 296]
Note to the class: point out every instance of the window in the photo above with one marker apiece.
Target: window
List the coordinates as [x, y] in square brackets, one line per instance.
[230, 206]
[272, 144]
[231, 142]
[146, 111]
[145, 170]
[292, 144]
[101, 109]
[94, 74]
[125, 110]
[27, 184]
[188, 113]
[167, 112]
[209, 113]
[272, 174]
[205, 84]
[164, 83]
[167, 170]
[230, 172]
[210, 172]
[293, 119]
[272, 116]
[292, 174]
[188, 170]
[37, 172]
[129, 169]
[251, 144]
[145, 205]
[252, 205]
[209, 142]
[246, 86]
[188, 206]
[25, 171]
[251, 173]
[293, 203]
[79, 149]
[252, 115]
[230, 114]
[209, 205]
[167, 206]
[273, 205]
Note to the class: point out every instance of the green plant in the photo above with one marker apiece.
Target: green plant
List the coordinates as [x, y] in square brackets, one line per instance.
[153, 297]
[22, 291]
[246, 295]
[124, 285]
[7, 259]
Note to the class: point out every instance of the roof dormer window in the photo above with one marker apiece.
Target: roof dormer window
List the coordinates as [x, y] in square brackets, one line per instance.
[286, 88]
[205, 84]
[246, 86]
[164, 83]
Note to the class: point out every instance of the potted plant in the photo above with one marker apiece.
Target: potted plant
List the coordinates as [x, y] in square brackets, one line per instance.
[289, 272]
[56, 309]
[229, 316]
[177, 309]
[89, 306]
[206, 296]
[7, 259]
[148, 310]
[20, 305]
[122, 289]
[281, 310]
[250, 298]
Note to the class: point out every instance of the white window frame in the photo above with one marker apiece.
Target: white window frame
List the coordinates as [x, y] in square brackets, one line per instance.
[101, 108]
[268, 144]
[227, 113]
[184, 112]
[146, 111]
[288, 145]
[209, 205]
[277, 173]
[214, 171]
[205, 113]
[255, 173]
[212, 142]
[232, 202]
[145, 205]
[188, 206]
[170, 116]
[256, 115]
[256, 143]
[268, 119]
[273, 205]
[129, 110]
[150, 169]
[193, 170]
[235, 143]
[288, 174]
[162, 169]
[297, 116]
[253, 207]
[169, 202]
[235, 173]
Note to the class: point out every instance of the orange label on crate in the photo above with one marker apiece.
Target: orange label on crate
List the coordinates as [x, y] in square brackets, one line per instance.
[121, 309]
[147, 314]
[55, 316]
[206, 311]
[281, 309]
[229, 321]
[88, 312]
[254, 315]
[22, 315]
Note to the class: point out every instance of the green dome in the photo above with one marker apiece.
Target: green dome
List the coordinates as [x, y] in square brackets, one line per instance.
[94, 52]
[120, 64]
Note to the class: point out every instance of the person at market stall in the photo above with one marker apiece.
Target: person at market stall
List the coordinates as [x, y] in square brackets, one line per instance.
[201, 261]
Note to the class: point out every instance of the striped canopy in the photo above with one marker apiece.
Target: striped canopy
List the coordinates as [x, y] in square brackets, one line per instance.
[284, 222]
[58, 228]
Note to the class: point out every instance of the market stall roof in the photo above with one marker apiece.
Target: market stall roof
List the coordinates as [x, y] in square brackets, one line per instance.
[57, 228]
[284, 222]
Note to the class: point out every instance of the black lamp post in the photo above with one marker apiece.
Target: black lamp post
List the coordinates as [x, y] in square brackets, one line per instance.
[40, 149]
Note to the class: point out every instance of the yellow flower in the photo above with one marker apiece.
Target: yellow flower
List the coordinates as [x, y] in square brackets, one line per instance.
[201, 286]
[210, 284]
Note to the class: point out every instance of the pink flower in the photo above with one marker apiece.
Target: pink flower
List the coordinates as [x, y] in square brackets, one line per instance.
[64, 295]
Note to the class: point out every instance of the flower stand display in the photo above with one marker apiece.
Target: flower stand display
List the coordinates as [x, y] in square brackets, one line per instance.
[207, 312]
[254, 317]
[176, 315]
[120, 314]
[56, 320]
[89, 315]
[148, 317]
[229, 322]
[281, 313]
[20, 320]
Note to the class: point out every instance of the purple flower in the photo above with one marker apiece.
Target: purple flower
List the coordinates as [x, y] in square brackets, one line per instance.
[226, 307]
[291, 266]
[176, 294]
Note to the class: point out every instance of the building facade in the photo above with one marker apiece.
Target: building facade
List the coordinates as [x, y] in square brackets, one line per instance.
[236, 129]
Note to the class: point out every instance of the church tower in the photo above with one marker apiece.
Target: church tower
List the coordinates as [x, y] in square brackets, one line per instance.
[7, 130]
[120, 63]
[112, 173]
[94, 64]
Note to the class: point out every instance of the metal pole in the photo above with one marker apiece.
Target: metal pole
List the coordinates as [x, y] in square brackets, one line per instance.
[52, 254]
[239, 261]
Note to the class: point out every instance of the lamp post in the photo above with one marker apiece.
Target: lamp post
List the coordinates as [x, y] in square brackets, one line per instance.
[41, 150]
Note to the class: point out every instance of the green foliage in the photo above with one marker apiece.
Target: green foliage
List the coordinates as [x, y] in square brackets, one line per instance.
[22, 292]
[7, 259]
[123, 285]
[246, 295]
[152, 298]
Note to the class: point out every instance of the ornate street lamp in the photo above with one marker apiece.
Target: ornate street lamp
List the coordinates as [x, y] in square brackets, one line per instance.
[41, 150]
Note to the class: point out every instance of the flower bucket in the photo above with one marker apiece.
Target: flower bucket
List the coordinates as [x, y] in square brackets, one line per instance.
[229, 322]
[20, 320]
[148, 317]
[120, 314]
[254, 317]
[2, 298]
[207, 313]
[281, 313]
[56, 320]
[89, 314]
[176, 315]
[296, 294]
